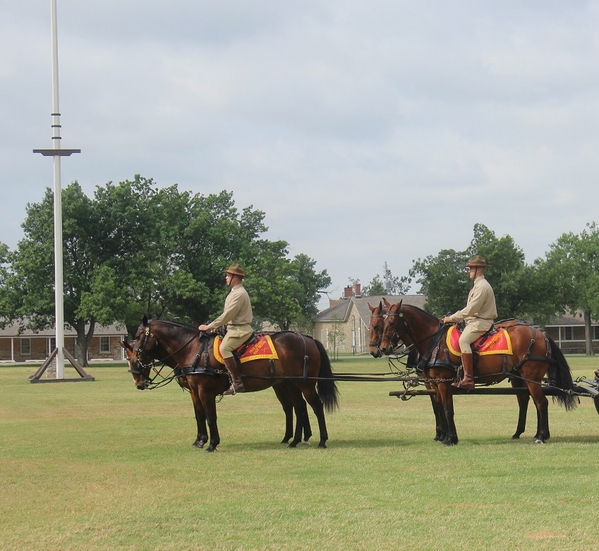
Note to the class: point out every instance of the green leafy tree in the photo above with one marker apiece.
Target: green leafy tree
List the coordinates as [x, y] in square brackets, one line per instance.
[389, 285]
[571, 275]
[444, 279]
[135, 249]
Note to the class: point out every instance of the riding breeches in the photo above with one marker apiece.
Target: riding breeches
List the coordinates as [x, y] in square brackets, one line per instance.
[233, 339]
[468, 336]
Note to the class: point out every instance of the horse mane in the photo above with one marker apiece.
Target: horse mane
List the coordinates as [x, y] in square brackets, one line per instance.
[421, 311]
[174, 324]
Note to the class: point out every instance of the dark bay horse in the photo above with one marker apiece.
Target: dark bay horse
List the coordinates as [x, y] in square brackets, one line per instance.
[303, 369]
[377, 322]
[535, 356]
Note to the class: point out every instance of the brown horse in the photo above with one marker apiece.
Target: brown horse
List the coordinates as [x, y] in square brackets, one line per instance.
[377, 322]
[377, 318]
[535, 355]
[303, 366]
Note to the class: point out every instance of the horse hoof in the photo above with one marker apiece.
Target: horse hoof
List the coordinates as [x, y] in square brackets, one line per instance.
[198, 444]
[210, 449]
[292, 445]
[306, 442]
[539, 441]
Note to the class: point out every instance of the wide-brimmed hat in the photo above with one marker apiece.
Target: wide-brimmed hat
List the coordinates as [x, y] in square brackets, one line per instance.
[235, 269]
[477, 261]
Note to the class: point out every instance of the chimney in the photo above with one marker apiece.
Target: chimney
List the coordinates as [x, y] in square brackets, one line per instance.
[357, 289]
[347, 292]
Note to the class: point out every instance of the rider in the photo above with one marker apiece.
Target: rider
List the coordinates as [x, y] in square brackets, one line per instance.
[237, 316]
[479, 313]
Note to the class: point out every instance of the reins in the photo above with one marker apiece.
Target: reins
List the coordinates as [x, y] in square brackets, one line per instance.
[165, 380]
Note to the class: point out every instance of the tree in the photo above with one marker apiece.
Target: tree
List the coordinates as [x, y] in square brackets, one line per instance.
[388, 285]
[445, 282]
[571, 273]
[442, 280]
[136, 249]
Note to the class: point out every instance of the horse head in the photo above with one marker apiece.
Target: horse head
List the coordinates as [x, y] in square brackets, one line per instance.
[141, 355]
[393, 327]
[377, 320]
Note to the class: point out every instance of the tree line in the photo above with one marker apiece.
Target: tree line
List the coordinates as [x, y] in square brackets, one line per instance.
[135, 249]
[565, 280]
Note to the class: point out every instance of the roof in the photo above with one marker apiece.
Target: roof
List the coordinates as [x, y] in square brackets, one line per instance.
[340, 311]
[113, 330]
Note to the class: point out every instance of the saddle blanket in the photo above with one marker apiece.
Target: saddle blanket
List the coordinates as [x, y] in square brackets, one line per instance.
[262, 349]
[497, 343]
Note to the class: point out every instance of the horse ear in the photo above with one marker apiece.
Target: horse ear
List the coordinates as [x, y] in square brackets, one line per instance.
[399, 304]
[387, 303]
[372, 308]
[144, 320]
[126, 345]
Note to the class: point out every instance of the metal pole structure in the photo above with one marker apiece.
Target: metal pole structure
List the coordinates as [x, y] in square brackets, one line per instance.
[56, 152]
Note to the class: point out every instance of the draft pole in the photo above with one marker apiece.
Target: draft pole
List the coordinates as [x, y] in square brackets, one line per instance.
[57, 152]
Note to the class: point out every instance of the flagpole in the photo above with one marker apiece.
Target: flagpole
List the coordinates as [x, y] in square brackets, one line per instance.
[57, 152]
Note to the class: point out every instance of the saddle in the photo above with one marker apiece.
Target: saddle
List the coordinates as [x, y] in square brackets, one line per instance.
[258, 347]
[495, 341]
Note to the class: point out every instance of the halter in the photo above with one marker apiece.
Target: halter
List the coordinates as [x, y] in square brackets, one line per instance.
[399, 314]
[148, 365]
[377, 344]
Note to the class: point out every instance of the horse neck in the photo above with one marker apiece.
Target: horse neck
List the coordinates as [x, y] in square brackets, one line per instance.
[176, 344]
[423, 327]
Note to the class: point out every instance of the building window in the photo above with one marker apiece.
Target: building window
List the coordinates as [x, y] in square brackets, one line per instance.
[568, 333]
[104, 345]
[596, 333]
[26, 346]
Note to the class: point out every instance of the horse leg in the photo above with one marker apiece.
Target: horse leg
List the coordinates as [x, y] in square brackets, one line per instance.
[208, 400]
[287, 409]
[523, 400]
[200, 415]
[316, 404]
[541, 402]
[444, 396]
[440, 425]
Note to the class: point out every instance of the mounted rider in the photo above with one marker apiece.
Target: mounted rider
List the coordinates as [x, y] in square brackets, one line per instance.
[479, 313]
[237, 316]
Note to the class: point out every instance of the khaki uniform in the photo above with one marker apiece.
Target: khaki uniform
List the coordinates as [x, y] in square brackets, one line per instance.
[237, 316]
[479, 313]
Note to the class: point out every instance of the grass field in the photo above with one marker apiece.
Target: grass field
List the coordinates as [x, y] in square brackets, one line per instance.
[102, 466]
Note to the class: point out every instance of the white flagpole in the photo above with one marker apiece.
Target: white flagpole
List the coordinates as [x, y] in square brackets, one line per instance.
[58, 258]
[57, 152]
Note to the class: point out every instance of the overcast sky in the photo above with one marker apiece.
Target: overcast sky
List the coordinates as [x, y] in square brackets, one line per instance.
[368, 132]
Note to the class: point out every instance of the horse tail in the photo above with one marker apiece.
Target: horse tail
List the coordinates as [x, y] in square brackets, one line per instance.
[559, 373]
[327, 387]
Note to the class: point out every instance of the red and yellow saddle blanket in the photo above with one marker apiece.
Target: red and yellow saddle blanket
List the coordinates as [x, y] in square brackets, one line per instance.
[262, 349]
[496, 343]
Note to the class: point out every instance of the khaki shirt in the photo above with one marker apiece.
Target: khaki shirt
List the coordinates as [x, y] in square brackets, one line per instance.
[480, 309]
[237, 311]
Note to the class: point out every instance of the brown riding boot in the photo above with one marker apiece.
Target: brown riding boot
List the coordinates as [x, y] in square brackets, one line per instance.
[233, 369]
[468, 381]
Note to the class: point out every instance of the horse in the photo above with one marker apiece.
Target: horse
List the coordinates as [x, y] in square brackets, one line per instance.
[534, 356]
[302, 363]
[377, 320]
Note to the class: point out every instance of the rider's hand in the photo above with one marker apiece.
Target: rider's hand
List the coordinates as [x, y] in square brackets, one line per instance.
[203, 327]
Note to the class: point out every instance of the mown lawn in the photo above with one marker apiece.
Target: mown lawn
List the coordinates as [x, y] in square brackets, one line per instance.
[99, 465]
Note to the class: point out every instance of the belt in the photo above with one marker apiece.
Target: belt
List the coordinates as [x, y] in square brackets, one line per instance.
[236, 324]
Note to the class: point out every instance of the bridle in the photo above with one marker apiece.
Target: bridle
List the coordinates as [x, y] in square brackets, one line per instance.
[377, 344]
[150, 363]
[407, 330]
